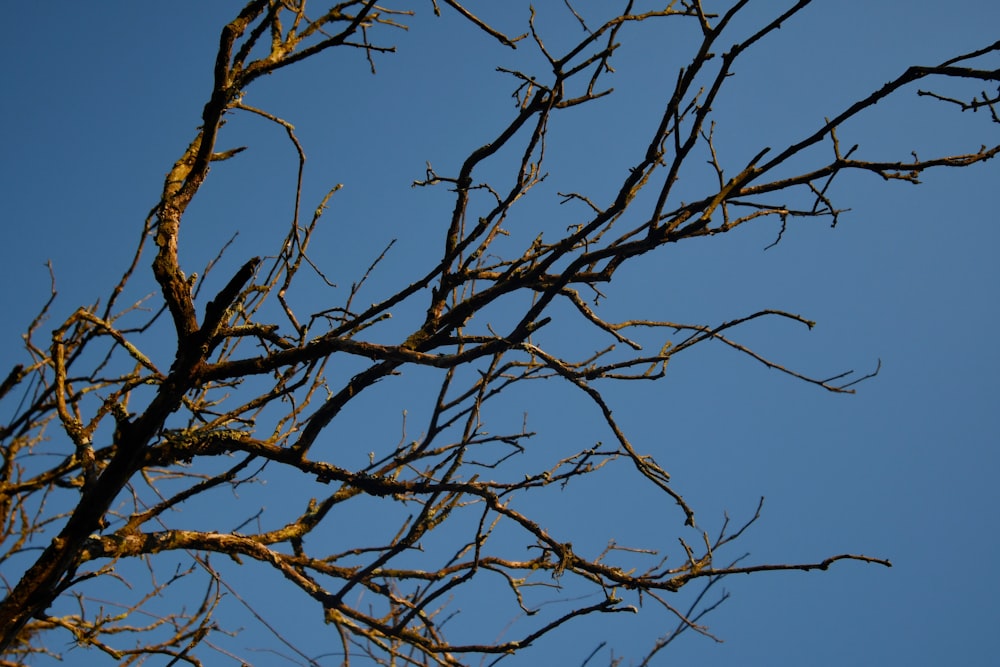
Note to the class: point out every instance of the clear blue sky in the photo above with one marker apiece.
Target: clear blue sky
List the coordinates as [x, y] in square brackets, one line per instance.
[100, 99]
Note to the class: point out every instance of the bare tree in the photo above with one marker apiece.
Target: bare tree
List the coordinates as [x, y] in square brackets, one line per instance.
[253, 382]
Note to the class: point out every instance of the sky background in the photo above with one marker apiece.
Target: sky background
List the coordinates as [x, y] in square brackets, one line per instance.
[100, 101]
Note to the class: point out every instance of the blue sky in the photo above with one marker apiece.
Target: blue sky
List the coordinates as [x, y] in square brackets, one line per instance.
[101, 101]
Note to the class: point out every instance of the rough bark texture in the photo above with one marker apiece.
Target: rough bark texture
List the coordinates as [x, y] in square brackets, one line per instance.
[248, 384]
